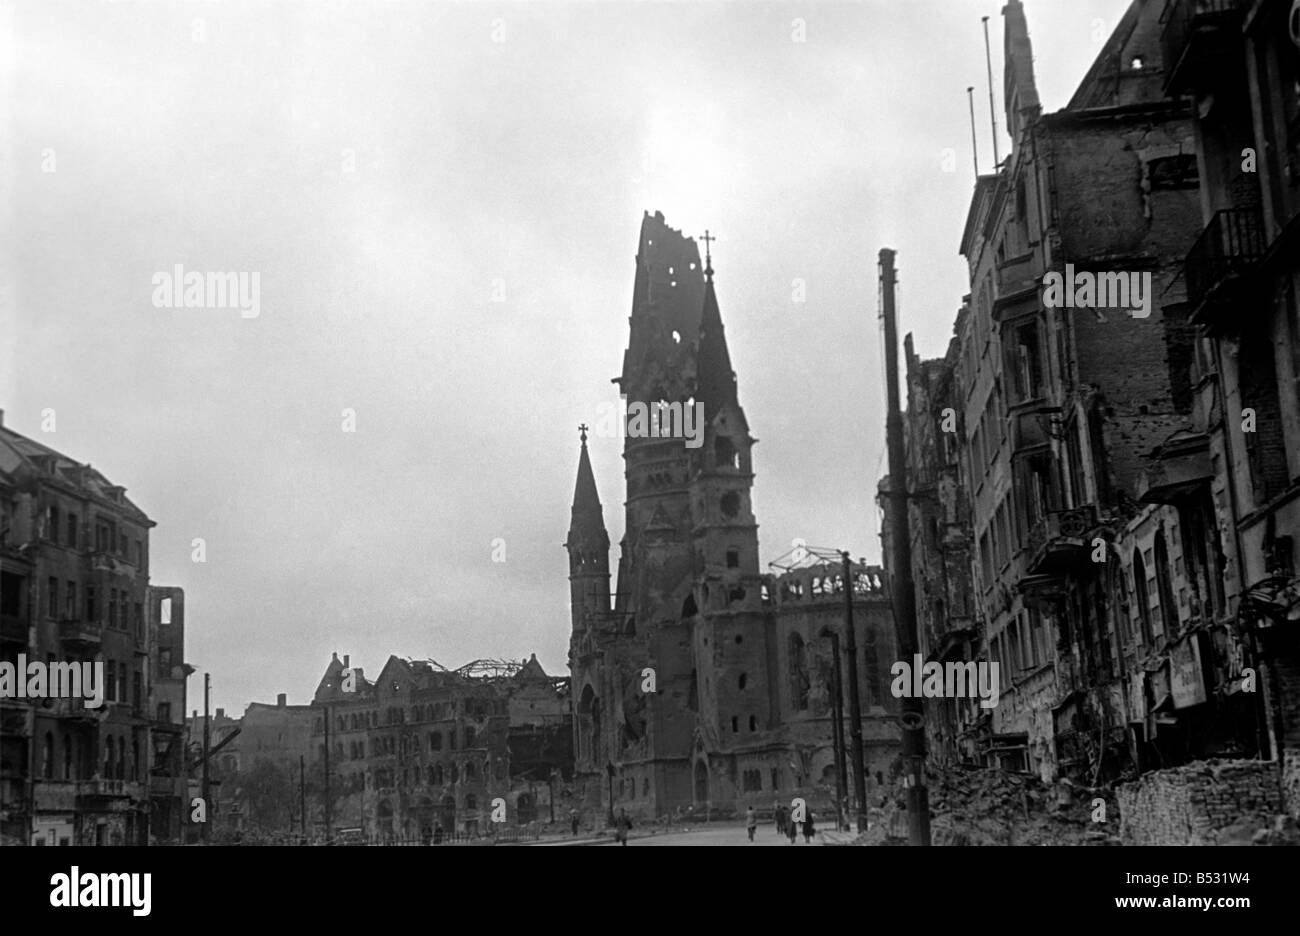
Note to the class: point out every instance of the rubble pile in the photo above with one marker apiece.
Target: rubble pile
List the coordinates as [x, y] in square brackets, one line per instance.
[980, 806]
[983, 806]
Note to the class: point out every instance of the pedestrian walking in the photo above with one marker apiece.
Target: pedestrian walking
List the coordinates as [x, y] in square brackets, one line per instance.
[621, 825]
[808, 830]
[781, 818]
[751, 822]
[792, 829]
[573, 819]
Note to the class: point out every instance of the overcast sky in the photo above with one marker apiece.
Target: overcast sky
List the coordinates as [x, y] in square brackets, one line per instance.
[465, 288]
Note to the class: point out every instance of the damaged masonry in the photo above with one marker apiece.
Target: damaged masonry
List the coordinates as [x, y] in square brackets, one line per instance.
[1100, 503]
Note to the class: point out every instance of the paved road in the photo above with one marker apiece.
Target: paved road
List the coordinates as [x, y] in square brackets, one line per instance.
[719, 834]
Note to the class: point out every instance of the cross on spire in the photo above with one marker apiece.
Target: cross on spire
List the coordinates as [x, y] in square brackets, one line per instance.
[582, 432]
[708, 253]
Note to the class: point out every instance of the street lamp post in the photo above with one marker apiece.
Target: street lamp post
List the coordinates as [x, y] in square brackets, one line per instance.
[609, 769]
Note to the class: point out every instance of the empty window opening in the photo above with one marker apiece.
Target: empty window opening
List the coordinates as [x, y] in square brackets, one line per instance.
[733, 558]
[744, 678]
[730, 504]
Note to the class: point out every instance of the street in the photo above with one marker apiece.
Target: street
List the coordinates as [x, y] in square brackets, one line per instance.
[719, 834]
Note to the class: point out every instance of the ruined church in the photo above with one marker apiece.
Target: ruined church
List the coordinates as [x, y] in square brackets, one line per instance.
[700, 683]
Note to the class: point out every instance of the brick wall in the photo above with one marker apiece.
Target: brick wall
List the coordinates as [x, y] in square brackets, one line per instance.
[1286, 685]
[1198, 803]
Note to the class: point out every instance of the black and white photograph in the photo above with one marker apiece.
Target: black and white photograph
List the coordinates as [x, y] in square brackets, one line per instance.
[382, 385]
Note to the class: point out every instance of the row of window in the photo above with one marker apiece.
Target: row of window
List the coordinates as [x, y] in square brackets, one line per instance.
[396, 715]
[1114, 611]
[64, 529]
[409, 744]
[70, 760]
[122, 613]
[433, 775]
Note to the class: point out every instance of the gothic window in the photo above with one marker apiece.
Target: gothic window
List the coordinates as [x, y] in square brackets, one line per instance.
[1164, 581]
[1140, 594]
[800, 683]
[725, 454]
[730, 504]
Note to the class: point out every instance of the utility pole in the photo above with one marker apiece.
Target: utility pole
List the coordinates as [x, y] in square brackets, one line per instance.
[302, 794]
[207, 742]
[329, 831]
[837, 731]
[855, 705]
[900, 586]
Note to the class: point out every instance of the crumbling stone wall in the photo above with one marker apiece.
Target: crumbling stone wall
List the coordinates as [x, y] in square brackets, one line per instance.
[1285, 671]
[1199, 804]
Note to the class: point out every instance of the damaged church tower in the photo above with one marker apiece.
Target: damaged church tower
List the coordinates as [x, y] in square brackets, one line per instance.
[676, 676]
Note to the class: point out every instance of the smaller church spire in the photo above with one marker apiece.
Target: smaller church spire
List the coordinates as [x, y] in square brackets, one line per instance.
[587, 514]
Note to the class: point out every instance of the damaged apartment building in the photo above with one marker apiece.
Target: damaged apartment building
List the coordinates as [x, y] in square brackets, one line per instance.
[1127, 471]
[700, 683]
[421, 751]
[74, 587]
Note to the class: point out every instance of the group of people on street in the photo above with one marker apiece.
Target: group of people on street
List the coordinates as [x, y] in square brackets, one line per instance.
[785, 823]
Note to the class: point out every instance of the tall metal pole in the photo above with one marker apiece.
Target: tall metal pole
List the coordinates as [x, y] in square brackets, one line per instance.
[974, 144]
[207, 742]
[837, 733]
[993, 113]
[855, 706]
[302, 794]
[901, 589]
[329, 830]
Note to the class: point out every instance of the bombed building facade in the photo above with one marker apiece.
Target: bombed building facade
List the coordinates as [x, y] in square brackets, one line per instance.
[74, 588]
[1129, 467]
[422, 751]
[700, 682]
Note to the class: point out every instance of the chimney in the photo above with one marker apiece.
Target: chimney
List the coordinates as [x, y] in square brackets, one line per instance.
[347, 661]
[221, 713]
[2, 419]
[280, 700]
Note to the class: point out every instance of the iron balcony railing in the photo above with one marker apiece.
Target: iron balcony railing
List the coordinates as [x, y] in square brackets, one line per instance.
[1229, 246]
[1192, 34]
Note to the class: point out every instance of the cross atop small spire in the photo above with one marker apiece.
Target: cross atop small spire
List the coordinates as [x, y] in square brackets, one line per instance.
[582, 432]
[708, 253]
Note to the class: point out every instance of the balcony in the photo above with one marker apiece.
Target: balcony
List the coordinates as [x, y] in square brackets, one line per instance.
[1217, 268]
[1018, 281]
[1058, 543]
[1197, 38]
[109, 789]
[1032, 424]
[1179, 467]
[13, 629]
[78, 633]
